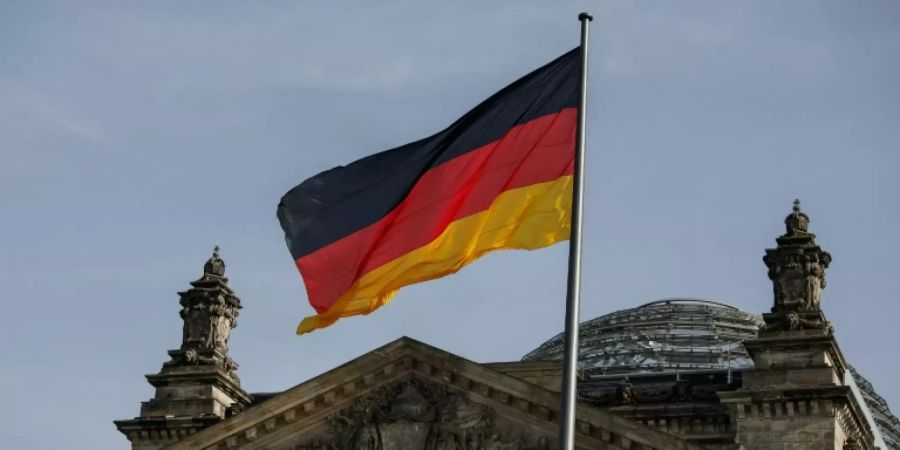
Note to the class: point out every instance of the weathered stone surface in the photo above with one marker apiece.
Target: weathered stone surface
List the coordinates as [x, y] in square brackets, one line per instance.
[546, 374]
[797, 270]
[408, 395]
[795, 398]
[665, 375]
[680, 404]
[199, 385]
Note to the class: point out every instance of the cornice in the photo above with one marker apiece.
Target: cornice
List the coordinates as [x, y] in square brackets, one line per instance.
[305, 405]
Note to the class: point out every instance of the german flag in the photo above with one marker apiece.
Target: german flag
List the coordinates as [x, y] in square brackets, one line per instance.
[500, 177]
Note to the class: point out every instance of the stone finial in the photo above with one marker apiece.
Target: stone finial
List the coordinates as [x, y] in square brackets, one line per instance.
[797, 270]
[199, 385]
[796, 222]
[214, 265]
[209, 311]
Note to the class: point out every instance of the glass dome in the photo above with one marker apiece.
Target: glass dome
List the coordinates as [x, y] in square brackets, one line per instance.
[664, 335]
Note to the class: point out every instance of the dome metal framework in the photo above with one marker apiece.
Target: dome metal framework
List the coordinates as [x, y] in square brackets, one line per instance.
[664, 335]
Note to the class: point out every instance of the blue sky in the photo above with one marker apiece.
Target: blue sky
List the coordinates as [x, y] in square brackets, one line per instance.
[136, 135]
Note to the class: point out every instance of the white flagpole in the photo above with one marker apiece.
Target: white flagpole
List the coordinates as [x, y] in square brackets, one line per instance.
[573, 289]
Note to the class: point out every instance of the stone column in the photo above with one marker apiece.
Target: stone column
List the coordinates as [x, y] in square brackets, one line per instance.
[199, 385]
[795, 398]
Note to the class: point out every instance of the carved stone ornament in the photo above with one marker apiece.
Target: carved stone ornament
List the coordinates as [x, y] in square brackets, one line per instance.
[852, 444]
[626, 394]
[793, 321]
[209, 309]
[797, 266]
[191, 357]
[418, 415]
[215, 266]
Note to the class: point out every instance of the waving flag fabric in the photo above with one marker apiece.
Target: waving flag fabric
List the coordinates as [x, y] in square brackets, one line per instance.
[500, 177]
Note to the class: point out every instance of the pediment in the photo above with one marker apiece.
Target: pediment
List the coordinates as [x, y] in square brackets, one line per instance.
[408, 395]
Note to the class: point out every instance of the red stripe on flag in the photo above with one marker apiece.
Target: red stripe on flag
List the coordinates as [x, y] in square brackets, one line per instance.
[538, 151]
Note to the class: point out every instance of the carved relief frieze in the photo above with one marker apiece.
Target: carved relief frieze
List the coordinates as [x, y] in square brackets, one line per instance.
[419, 415]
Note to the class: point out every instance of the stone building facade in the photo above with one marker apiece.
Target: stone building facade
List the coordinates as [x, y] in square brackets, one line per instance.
[669, 375]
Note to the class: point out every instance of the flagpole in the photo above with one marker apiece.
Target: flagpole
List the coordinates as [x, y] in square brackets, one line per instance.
[573, 289]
